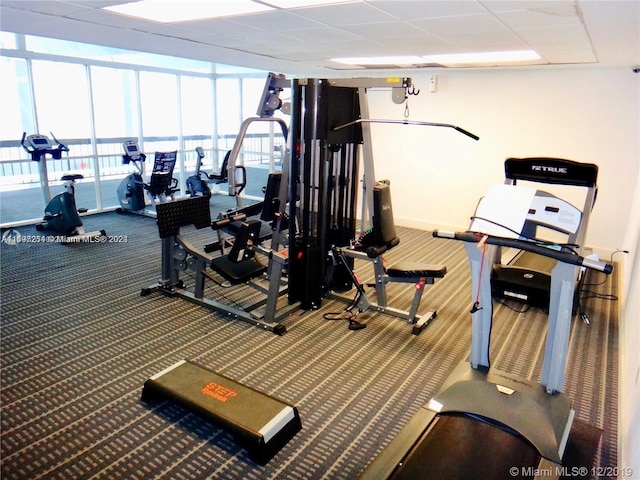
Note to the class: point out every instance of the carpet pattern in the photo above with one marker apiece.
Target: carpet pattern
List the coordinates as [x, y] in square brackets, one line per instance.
[78, 342]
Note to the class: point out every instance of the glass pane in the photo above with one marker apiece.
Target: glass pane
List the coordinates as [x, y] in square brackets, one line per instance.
[251, 92]
[227, 111]
[197, 123]
[62, 101]
[115, 107]
[158, 97]
[8, 40]
[20, 194]
[228, 114]
[160, 121]
[15, 100]
[111, 54]
[221, 68]
[114, 102]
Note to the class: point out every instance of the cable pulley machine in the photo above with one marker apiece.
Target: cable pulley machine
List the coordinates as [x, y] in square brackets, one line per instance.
[330, 123]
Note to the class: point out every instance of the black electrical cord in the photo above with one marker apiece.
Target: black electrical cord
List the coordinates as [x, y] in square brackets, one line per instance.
[347, 314]
[506, 305]
[593, 293]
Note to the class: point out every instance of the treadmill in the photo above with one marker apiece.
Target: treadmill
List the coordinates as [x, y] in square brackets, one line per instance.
[486, 423]
[525, 276]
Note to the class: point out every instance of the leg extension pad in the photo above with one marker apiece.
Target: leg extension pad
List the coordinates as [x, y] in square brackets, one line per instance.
[260, 423]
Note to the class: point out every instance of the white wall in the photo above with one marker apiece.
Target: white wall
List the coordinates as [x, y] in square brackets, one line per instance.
[438, 175]
[590, 115]
[629, 394]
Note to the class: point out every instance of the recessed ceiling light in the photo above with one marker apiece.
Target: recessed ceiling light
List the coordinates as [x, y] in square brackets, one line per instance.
[180, 11]
[483, 58]
[391, 60]
[303, 3]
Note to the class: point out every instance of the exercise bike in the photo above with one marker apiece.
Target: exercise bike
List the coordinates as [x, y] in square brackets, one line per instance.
[198, 186]
[162, 185]
[61, 214]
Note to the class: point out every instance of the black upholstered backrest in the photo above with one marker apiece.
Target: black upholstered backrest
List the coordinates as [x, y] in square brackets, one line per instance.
[189, 211]
[162, 173]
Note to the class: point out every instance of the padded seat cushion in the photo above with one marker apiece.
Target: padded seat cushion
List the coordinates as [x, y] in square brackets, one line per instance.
[416, 269]
[71, 176]
[237, 272]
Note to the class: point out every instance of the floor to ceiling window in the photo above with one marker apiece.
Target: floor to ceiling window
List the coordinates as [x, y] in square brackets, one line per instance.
[93, 98]
[116, 119]
[61, 97]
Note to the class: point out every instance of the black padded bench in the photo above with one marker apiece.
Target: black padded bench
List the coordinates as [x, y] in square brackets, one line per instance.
[408, 269]
[420, 274]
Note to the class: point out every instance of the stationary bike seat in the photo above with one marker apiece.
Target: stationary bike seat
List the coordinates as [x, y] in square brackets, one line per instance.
[71, 176]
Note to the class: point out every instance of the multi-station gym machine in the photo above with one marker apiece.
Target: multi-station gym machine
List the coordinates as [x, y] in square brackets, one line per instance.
[330, 122]
[316, 195]
[318, 190]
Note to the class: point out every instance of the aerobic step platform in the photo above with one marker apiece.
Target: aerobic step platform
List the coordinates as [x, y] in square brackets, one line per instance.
[260, 423]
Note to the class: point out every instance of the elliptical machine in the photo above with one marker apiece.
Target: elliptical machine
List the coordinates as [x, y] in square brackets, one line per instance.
[161, 186]
[61, 214]
[197, 186]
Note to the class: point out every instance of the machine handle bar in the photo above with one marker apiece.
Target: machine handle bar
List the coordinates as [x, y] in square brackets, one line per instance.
[218, 224]
[468, 134]
[59, 145]
[407, 122]
[562, 256]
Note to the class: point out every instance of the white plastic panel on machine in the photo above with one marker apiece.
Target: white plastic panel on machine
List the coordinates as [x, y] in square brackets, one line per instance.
[551, 211]
[503, 210]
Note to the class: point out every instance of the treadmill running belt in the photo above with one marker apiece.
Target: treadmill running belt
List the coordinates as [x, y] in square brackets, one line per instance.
[461, 447]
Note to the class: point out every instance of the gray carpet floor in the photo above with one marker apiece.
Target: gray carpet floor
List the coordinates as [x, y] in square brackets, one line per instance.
[78, 341]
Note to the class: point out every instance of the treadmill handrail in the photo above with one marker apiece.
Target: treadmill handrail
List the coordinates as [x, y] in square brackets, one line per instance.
[560, 255]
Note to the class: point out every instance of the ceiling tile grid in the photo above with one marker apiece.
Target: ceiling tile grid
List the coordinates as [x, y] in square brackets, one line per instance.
[303, 40]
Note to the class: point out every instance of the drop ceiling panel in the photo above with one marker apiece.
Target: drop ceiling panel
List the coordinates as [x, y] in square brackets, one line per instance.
[486, 41]
[384, 31]
[323, 35]
[562, 56]
[462, 24]
[570, 36]
[537, 18]
[519, 5]
[348, 14]
[279, 20]
[411, 9]
[357, 47]
[104, 17]
[97, 3]
[47, 7]
[220, 27]
[318, 56]
[422, 45]
[301, 40]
